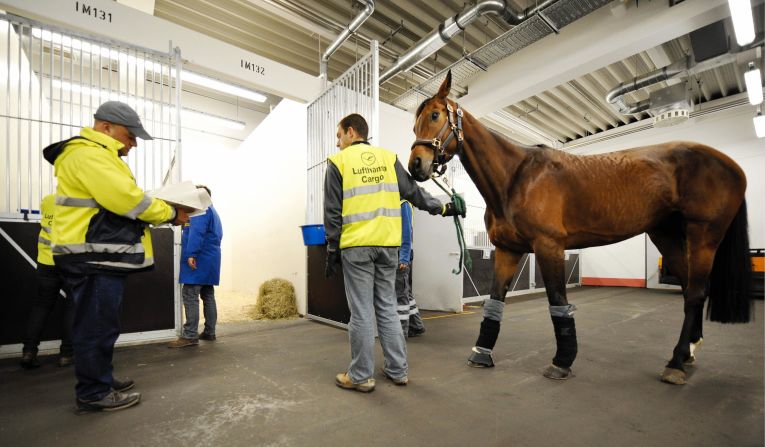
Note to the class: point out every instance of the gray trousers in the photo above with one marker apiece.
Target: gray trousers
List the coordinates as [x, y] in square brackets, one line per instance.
[191, 294]
[369, 274]
[408, 313]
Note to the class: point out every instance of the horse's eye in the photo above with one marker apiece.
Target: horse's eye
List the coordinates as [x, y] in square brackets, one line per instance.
[434, 116]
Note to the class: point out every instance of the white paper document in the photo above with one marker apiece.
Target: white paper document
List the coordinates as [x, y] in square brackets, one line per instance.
[184, 194]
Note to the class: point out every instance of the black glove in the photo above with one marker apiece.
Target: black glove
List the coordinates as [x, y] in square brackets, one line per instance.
[333, 260]
[449, 210]
[456, 207]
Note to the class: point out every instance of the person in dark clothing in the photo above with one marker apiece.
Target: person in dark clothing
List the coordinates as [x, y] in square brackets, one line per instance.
[408, 313]
[49, 285]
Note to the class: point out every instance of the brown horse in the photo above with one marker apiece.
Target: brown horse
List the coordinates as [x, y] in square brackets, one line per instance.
[688, 197]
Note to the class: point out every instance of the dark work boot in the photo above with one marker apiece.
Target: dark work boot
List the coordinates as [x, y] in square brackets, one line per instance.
[122, 385]
[111, 402]
[29, 360]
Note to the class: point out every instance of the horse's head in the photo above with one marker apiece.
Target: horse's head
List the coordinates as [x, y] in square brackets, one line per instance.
[438, 129]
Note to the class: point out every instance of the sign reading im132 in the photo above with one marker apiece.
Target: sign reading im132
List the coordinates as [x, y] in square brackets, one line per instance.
[247, 65]
[93, 11]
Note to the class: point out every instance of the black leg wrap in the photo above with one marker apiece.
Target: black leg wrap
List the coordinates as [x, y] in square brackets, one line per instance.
[489, 333]
[565, 336]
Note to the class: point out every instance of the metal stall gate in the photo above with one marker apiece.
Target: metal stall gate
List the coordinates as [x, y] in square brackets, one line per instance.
[477, 281]
[51, 82]
[355, 91]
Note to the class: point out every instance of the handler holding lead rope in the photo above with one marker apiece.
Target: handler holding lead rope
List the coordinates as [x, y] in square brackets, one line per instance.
[362, 219]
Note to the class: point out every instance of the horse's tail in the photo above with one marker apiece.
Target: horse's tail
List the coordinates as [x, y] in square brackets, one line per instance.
[730, 280]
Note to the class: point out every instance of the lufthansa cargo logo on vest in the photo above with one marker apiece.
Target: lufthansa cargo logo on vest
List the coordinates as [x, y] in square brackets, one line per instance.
[368, 158]
[371, 175]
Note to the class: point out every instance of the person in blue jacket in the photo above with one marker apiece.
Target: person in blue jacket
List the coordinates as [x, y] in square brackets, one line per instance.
[408, 313]
[200, 271]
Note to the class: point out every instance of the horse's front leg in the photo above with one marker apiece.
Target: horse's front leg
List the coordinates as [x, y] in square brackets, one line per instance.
[505, 266]
[550, 256]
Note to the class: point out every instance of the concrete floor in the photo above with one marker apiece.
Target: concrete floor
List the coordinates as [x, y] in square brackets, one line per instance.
[266, 383]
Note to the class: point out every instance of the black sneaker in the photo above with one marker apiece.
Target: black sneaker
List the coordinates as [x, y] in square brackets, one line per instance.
[416, 332]
[111, 402]
[206, 336]
[122, 385]
[29, 361]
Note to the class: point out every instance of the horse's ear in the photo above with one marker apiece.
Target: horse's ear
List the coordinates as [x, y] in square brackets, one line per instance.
[443, 92]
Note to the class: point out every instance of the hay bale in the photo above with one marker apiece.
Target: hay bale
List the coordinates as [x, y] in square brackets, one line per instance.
[276, 300]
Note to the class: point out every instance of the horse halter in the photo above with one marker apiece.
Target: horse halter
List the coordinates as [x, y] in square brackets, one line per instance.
[438, 144]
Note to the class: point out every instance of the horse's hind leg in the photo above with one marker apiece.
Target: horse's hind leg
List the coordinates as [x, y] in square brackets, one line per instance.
[701, 243]
[505, 266]
[550, 256]
[669, 239]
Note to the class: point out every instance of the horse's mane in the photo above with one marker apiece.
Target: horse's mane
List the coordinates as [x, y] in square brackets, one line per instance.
[513, 142]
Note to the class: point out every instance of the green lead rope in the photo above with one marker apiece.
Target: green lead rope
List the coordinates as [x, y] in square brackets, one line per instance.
[460, 206]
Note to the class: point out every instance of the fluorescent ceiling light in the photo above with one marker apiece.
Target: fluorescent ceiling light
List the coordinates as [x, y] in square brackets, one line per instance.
[759, 125]
[741, 14]
[208, 118]
[753, 84]
[141, 104]
[156, 67]
[204, 81]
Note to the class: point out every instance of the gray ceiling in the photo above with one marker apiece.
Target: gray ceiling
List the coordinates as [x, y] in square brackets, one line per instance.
[296, 32]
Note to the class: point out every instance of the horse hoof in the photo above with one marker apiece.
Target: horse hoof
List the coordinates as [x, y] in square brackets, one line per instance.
[557, 373]
[673, 376]
[480, 360]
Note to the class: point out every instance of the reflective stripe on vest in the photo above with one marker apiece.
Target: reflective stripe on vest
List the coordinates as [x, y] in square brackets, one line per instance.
[76, 203]
[371, 213]
[353, 218]
[90, 247]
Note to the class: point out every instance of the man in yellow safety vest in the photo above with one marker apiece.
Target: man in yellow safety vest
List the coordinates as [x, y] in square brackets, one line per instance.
[100, 234]
[362, 220]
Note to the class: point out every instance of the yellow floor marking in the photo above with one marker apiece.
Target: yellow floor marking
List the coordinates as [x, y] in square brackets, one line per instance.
[447, 316]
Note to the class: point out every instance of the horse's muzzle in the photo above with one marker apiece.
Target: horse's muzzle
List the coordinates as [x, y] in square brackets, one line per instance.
[419, 170]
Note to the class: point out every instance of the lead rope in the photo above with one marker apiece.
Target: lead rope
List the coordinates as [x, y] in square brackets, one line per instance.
[459, 204]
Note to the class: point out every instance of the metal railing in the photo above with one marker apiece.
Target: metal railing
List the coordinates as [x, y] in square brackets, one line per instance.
[52, 80]
[355, 91]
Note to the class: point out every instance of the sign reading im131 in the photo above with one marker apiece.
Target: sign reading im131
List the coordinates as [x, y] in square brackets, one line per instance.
[93, 11]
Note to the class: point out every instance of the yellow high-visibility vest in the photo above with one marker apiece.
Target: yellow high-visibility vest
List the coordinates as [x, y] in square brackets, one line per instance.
[44, 255]
[101, 217]
[371, 211]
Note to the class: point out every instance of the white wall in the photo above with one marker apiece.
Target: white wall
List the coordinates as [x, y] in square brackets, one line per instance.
[621, 264]
[264, 204]
[731, 132]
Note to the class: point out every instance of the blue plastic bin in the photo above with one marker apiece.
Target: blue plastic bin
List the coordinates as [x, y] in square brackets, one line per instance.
[313, 234]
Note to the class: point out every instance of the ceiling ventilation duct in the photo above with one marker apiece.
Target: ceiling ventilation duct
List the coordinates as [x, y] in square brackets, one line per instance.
[453, 25]
[532, 25]
[671, 105]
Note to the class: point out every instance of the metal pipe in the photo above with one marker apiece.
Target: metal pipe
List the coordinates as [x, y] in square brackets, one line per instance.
[453, 25]
[685, 67]
[616, 96]
[369, 7]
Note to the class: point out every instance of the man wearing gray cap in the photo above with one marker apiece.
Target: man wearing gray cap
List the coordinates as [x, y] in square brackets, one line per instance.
[101, 234]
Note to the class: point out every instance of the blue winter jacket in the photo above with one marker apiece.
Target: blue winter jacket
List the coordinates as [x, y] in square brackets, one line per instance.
[405, 252]
[201, 240]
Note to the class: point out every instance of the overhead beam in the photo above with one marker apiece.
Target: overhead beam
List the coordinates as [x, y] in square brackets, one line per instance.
[601, 38]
